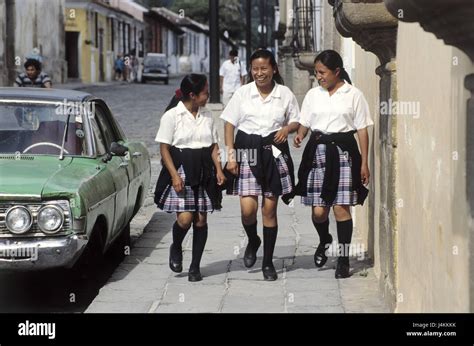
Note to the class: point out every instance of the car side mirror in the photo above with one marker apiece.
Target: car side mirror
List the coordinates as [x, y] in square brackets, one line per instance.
[116, 149]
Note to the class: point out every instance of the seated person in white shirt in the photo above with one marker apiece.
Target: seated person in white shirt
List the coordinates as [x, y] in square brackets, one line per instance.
[232, 76]
[333, 172]
[188, 182]
[264, 112]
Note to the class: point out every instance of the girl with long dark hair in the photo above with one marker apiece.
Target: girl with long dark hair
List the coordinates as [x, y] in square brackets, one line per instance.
[188, 182]
[264, 111]
[333, 172]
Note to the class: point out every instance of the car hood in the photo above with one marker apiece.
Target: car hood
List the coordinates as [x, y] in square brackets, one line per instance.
[28, 176]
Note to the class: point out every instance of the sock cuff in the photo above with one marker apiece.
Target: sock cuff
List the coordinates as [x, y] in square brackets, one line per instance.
[177, 227]
[250, 227]
[200, 229]
[270, 229]
[344, 222]
[321, 223]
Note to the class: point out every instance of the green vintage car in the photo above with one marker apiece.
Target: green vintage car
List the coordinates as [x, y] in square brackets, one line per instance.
[70, 181]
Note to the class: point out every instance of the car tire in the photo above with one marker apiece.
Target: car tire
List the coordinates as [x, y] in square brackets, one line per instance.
[143, 80]
[90, 263]
[121, 246]
[166, 81]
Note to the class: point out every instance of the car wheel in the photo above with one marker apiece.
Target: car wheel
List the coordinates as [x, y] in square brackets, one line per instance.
[121, 246]
[143, 80]
[166, 81]
[91, 261]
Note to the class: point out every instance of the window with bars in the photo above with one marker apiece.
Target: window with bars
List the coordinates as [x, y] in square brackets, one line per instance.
[306, 25]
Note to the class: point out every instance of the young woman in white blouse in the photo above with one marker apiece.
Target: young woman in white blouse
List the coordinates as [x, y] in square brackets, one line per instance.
[333, 172]
[264, 113]
[188, 182]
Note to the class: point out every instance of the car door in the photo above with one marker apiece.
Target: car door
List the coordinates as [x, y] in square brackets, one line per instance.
[138, 164]
[117, 166]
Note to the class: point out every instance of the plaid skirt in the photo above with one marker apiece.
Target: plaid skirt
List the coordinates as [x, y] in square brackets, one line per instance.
[172, 202]
[247, 185]
[345, 195]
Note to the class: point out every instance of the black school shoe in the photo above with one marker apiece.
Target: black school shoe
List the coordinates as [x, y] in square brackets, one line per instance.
[342, 268]
[250, 256]
[320, 257]
[269, 273]
[194, 275]
[176, 260]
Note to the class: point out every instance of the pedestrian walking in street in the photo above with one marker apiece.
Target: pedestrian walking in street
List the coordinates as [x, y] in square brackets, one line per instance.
[264, 111]
[119, 66]
[189, 181]
[333, 172]
[33, 77]
[232, 76]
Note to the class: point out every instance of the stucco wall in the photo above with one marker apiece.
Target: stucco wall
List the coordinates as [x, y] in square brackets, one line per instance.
[365, 79]
[433, 268]
[41, 24]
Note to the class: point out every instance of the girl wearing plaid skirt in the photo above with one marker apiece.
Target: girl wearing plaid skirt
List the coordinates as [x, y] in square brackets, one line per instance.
[264, 113]
[188, 182]
[333, 172]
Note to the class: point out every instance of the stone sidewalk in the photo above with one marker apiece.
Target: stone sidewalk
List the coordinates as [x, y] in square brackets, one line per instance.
[143, 283]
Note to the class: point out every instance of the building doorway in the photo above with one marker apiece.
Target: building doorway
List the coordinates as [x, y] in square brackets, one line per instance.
[72, 54]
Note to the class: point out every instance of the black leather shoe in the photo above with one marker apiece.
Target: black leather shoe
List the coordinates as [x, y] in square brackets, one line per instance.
[320, 257]
[269, 273]
[342, 268]
[176, 260]
[250, 256]
[194, 275]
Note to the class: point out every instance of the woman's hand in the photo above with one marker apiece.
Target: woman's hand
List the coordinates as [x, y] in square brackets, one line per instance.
[220, 178]
[232, 167]
[281, 136]
[178, 183]
[298, 140]
[364, 174]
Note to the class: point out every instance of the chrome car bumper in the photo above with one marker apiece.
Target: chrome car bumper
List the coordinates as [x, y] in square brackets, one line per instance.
[154, 75]
[40, 253]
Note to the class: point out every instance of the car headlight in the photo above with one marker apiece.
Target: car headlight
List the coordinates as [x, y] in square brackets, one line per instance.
[50, 219]
[18, 220]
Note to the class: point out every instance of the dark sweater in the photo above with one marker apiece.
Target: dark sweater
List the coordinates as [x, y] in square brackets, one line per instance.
[265, 170]
[346, 142]
[199, 170]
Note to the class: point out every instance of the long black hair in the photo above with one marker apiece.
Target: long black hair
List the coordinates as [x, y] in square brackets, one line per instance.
[266, 54]
[191, 83]
[332, 60]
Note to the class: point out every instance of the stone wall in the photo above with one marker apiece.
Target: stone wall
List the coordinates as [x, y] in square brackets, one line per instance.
[433, 214]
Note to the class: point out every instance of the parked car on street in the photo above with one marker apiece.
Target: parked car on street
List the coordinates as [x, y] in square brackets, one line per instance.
[70, 180]
[155, 67]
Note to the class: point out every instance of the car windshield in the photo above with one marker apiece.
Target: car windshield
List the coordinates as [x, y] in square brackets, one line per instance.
[39, 129]
[155, 61]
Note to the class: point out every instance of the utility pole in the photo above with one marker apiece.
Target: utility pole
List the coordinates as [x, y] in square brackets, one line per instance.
[262, 22]
[214, 51]
[248, 38]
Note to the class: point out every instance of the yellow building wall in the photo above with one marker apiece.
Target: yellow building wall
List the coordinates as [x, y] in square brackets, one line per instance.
[76, 20]
[433, 268]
